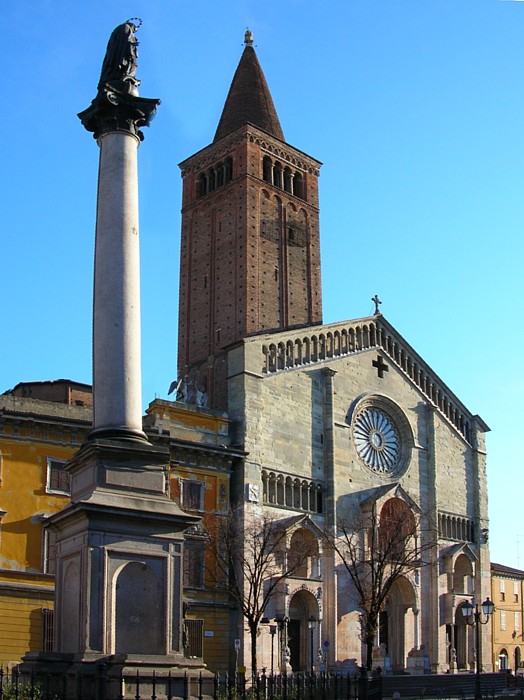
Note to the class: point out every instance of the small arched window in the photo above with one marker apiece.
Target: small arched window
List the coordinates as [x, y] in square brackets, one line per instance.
[397, 530]
[277, 175]
[202, 185]
[215, 177]
[298, 186]
[303, 554]
[267, 170]
[287, 180]
[228, 170]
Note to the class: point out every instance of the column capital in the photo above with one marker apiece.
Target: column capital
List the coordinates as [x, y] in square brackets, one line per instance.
[328, 372]
[115, 110]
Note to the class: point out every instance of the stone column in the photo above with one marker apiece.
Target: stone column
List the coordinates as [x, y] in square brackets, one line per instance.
[433, 634]
[114, 117]
[116, 303]
[482, 569]
[416, 636]
[330, 603]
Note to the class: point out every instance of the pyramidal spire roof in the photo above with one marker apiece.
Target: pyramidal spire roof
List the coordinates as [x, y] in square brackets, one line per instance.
[249, 99]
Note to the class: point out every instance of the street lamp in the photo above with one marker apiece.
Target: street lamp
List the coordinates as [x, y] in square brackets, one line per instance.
[312, 623]
[272, 632]
[473, 616]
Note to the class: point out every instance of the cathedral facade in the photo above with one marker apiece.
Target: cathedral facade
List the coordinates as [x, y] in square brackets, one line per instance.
[340, 423]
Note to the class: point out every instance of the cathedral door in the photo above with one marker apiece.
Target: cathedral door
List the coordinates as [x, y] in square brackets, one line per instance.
[461, 640]
[303, 631]
[383, 630]
[400, 623]
[293, 640]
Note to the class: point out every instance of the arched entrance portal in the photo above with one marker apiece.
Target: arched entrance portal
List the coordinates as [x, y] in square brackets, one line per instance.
[463, 640]
[303, 637]
[517, 658]
[399, 623]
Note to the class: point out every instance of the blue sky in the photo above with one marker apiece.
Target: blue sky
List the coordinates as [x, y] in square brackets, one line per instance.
[415, 107]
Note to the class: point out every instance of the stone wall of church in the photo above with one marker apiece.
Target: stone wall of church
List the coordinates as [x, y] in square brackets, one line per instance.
[285, 421]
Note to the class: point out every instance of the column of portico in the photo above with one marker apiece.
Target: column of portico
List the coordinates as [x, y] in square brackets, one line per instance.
[416, 635]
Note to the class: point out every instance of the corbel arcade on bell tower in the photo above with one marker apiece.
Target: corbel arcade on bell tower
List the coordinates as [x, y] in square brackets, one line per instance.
[250, 252]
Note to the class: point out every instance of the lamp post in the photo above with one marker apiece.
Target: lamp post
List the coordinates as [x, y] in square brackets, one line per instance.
[474, 617]
[312, 623]
[272, 632]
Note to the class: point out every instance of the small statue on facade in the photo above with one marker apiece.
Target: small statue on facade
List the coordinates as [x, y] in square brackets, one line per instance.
[182, 390]
[121, 60]
[321, 660]
[201, 396]
[381, 650]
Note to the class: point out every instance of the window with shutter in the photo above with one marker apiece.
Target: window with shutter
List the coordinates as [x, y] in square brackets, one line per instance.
[58, 479]
[195, 638]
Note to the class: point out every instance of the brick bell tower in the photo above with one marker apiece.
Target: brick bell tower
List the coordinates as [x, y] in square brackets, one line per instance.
[250, 252]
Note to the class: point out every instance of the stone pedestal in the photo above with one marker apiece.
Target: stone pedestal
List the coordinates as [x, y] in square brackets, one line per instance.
[418, 662]
[119, 573]
[382, 663]
[115, 677]
[119, 554]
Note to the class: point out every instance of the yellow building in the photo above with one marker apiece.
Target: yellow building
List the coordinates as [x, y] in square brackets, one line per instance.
[37, 437]
[201, 465]
[42, 424]
[507, 588]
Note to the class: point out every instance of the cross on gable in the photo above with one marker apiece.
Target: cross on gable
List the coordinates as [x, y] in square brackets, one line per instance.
[377, 303]
[381, 366]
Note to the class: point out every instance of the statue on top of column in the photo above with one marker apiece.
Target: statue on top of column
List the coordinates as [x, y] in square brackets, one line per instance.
[117, 105]
[120, 62]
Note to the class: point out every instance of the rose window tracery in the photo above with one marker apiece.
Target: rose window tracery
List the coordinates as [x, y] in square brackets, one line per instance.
[377, 440]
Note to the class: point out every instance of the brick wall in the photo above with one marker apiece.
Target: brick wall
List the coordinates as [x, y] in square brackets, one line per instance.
[250, 253]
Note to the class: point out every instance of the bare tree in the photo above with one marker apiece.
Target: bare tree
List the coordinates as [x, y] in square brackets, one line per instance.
[251, 560]
[377, 550]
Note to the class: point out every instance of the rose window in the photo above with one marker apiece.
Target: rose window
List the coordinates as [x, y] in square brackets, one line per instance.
[377, 440]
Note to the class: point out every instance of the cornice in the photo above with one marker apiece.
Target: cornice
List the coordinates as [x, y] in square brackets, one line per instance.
[291, 350]
[250, 134]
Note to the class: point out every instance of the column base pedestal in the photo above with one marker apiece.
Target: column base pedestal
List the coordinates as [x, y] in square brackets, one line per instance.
[94, 676]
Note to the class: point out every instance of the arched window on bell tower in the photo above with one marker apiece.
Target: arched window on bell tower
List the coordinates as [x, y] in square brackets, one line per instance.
[202, 185]
[267, 170]
[277, 175]
[287, 180]
[298, 186]
[228, 170]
